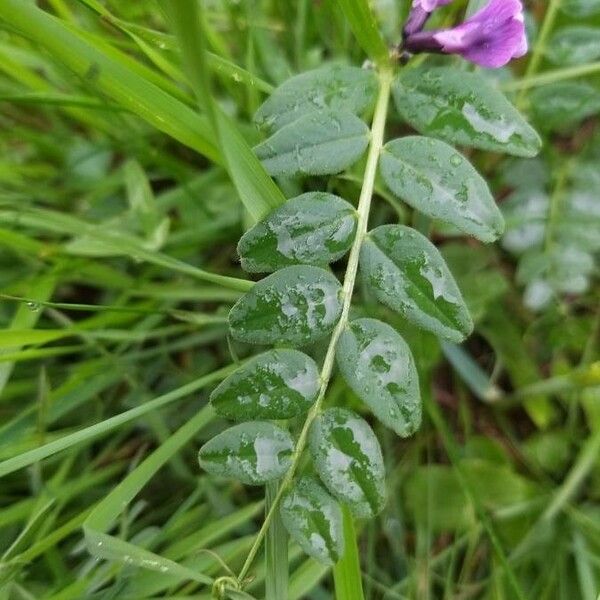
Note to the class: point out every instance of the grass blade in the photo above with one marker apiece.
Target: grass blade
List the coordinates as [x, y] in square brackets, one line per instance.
[93, 431]
[110, 77]
[26, 316]
[102, 518]
[365, 29]
[346, 573]
[256, 189]
[117, 242]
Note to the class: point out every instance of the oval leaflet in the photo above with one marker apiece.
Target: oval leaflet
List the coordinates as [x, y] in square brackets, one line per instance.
[463, 108]
[278, 384]
[563, 104]
[348, 459]
[435, 179]
[313, 229]
[320, 143]
[314, 520]
[378, 365]
[253, 453]
[338, 87]
[297, 305]
[407, 273]
[574, 45]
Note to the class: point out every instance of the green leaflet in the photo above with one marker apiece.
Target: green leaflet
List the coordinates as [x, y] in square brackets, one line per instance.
[435, 179]
[574, 45]
[407, 273]
[378, 365]
[561, 105]
[278, 384]
[338, 87]
[463, 108]
[526, 212]
[319, 143]
[297, 305]
[315, 229]
[314, 520]
[348, 459]
[253, 453]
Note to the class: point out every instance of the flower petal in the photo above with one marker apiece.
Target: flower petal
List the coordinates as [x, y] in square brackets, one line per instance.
[497, 50]
[490, 38]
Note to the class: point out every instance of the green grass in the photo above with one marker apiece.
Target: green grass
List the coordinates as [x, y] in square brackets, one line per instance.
[121, 203]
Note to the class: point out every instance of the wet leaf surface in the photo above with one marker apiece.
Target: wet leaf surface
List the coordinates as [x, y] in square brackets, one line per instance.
[338, 87]
[560, 106]
[278, 384]
[378, 365]
[348, 459]
[435, 179]
[574, 45]
[463, 108]
[253, 453]
[314, 520]
[297, 305]
[407, 273]
[314, 229]
[321, 143]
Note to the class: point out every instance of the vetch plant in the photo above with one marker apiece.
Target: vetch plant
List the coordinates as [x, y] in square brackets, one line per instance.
[361, 445]
[315, 126]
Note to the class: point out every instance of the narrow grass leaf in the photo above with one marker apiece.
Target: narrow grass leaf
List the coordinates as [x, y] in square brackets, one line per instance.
[103, 516]
[346, 573]
[115, 79]
[108, 425]
[365, 28]
[276, 550]
[256, 189]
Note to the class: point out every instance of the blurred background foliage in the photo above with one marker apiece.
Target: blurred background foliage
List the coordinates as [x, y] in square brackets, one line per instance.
[114, 205]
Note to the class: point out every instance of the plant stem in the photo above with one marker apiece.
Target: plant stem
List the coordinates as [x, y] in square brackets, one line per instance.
[540, 46]
[551, 77]
[364, 206]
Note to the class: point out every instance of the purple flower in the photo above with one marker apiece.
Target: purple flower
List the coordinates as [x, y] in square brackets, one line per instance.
[490, 38]
[421, 9]
[429, 5]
